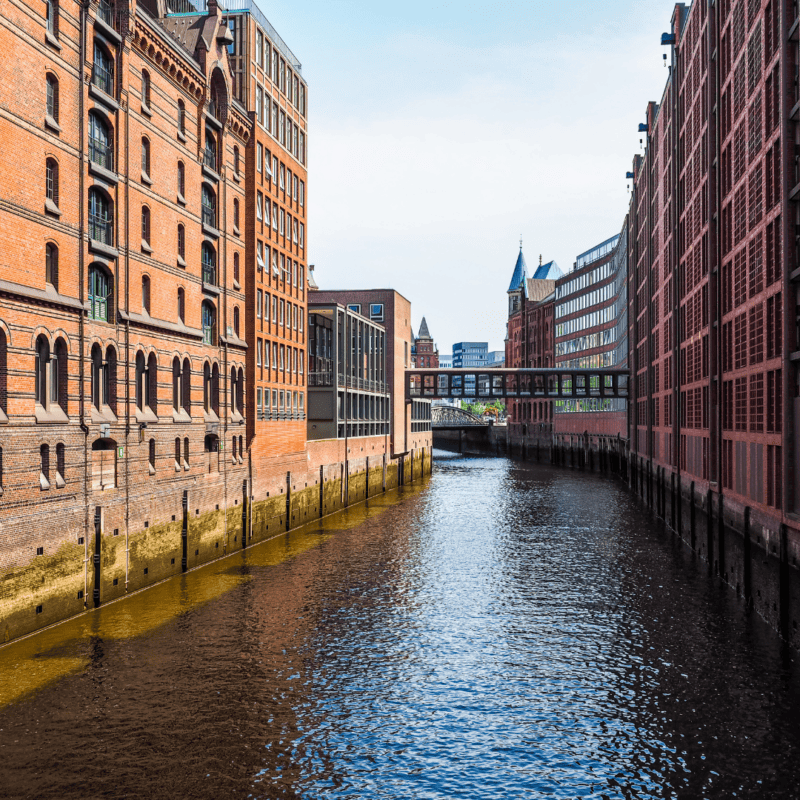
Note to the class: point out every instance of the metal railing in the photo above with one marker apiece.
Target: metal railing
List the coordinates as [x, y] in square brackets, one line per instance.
[101, 229]
[101, 153]
[103, 79]
[320, 379]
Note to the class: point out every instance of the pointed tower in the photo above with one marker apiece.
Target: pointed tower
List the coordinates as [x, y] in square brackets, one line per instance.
[427, 354]
[519, 284]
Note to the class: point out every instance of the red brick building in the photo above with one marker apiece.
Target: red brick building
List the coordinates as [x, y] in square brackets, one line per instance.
[121, 372]
[529, 343]
[426, 354]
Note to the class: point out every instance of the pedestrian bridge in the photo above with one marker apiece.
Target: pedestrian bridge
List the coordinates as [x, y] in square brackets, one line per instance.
[448, 418]
[492, 384]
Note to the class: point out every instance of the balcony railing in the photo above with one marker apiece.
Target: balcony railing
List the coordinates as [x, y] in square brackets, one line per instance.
[210, 159]
[209, 274]
[105, 12]
[209, 216]
[101, 229]
[320, 379]
[101, 153]
[103, 79]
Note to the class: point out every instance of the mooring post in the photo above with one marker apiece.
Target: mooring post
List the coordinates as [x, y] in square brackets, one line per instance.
[748, 560]
[692, 520]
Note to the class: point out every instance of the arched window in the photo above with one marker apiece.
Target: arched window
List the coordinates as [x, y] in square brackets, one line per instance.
[110, 379]
[181, 241]
[235, 213]
[209, 202]
[99, 292]
[146, 157]
[51, 374]
[42, 371]
[152, 381]
[181, 118]
[181, 179]
[51, 265]
[211, 388]
[186, 386]
[146, 382]
[181, 305]
[146, 89]
[240, 391]
[145, 226]
[141, 381]
[209, 259]
[236, 320]
[51, 182]
[235, 160]
[61, 465]
[209, 323]
[146, 293]
[151, 457]
[176, 384]
[100, 149]
[177, 454]
[52, 97]
[210, 152]
[100, 224]
[98, 381]
[3, 374]
[236, 267]
[103, 69]
[186, 453]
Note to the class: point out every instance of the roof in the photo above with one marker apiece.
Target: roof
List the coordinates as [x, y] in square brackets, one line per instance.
[548, 272]
[520, 273]
[423, 330]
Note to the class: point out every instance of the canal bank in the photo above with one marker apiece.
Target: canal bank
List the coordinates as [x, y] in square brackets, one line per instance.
[177, 530]
[753, 555]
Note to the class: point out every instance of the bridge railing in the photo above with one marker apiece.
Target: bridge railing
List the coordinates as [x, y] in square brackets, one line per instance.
[511, 383]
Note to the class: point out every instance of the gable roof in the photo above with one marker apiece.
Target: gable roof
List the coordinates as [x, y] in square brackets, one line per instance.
[548, 272]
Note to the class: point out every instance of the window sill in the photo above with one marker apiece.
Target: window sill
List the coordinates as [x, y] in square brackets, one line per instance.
[146, 179]
[151, 469]
[103, 415]
[237, 177]
[210, 231]
[236, 230]
[209, 417]
[207, 171]
[50, 416]
[106, 99]
[181, 416]
[51, 40]
[212, 120]
[49, 122]
[237, 285]
[181, 199]
[60, 482]
[3, 417]
[181, 263]
[44, 484]
[210, 288]
[146, 247]
[145, 415]
[51, 208]
[104, 249]
[181, 137]
[101, 172]
[237, 417]
[106, 30]
[146, 110]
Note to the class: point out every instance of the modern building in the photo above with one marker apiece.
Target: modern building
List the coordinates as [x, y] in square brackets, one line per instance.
[496, 359]
[410, 422]
[121, 359]
[425, 352]
[470, 354]
[348, 396]
[446, 362]
[591, 331]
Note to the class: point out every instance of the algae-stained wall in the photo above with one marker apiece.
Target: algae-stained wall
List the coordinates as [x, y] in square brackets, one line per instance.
[219, 517]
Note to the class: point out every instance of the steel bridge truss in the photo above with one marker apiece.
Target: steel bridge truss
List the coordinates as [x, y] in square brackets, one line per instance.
[490, 384]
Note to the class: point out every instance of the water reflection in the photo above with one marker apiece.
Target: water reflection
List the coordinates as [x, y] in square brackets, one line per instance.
[506, 630]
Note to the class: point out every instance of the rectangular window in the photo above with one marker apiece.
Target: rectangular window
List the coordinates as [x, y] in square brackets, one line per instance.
[274, 358]
[274, 308]
[282, 183]
[283, 354]
[259, 298]
[283, 223]
[266, 360]
[260, 255]
[355, 307]
[267, 162]
[302, 193]
[260, 151]
[260, 104]
[259, 351]
[266, 212]
[302, 235]
[282, 308]
[302, 319]
[282, 129]
[376, 311]
[266, 307]
[259, 204]
[259, 48]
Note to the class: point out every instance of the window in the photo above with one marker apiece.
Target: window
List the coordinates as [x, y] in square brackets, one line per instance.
[209, 260]
[181, 242]
[145, 228]
[51, 374]
[100, 149]
[302, 193]
[259, 204]
[146, 382]
[259, 298]
[209, 202]
[259, 156]
[100, 224]
[151, 456]
[101, 374]
[51, 265]
[181, 386]
[211, 388]
[210, 152]
[236, 267]
[181, 118]
[236, 320]
[51, 184]
[236, 165]
[51, 17]
[52, 97]
[146, 293]
[44, 459]
[376, 311]
[99, 292]
[181, 181]
[260, 255]
[209, 323]
[235, 214]
[181, 305]
[60, 465]
[3, 383]
[355, 307]
[145, 157]
[103, 69]
[145, 90]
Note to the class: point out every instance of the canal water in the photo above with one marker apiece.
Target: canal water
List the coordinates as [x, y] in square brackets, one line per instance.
[504, 630]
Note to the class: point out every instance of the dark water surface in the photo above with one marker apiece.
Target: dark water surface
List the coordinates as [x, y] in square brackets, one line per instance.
[504, 631]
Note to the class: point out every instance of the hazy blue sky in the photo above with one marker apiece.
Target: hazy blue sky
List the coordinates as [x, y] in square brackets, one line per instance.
[441, 132]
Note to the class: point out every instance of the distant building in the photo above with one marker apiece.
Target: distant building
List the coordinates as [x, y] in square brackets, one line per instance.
[446, 362]
[467, 355]
[425, 352]
[496, 359]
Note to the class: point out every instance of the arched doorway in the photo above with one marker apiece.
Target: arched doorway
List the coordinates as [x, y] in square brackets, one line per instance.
[104, 464]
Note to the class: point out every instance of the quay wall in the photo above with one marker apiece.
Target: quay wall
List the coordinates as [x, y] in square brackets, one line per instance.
[183, 526]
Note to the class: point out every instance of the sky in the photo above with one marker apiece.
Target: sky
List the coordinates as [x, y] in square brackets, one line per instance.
[440, 133]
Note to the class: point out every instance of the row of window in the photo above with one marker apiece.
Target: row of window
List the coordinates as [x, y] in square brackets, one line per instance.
[282, 178]
[280, 125]
[283, 404]
[282, 223]
[280, 73]
[283, 267]
[294, 316]
[285, 359]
